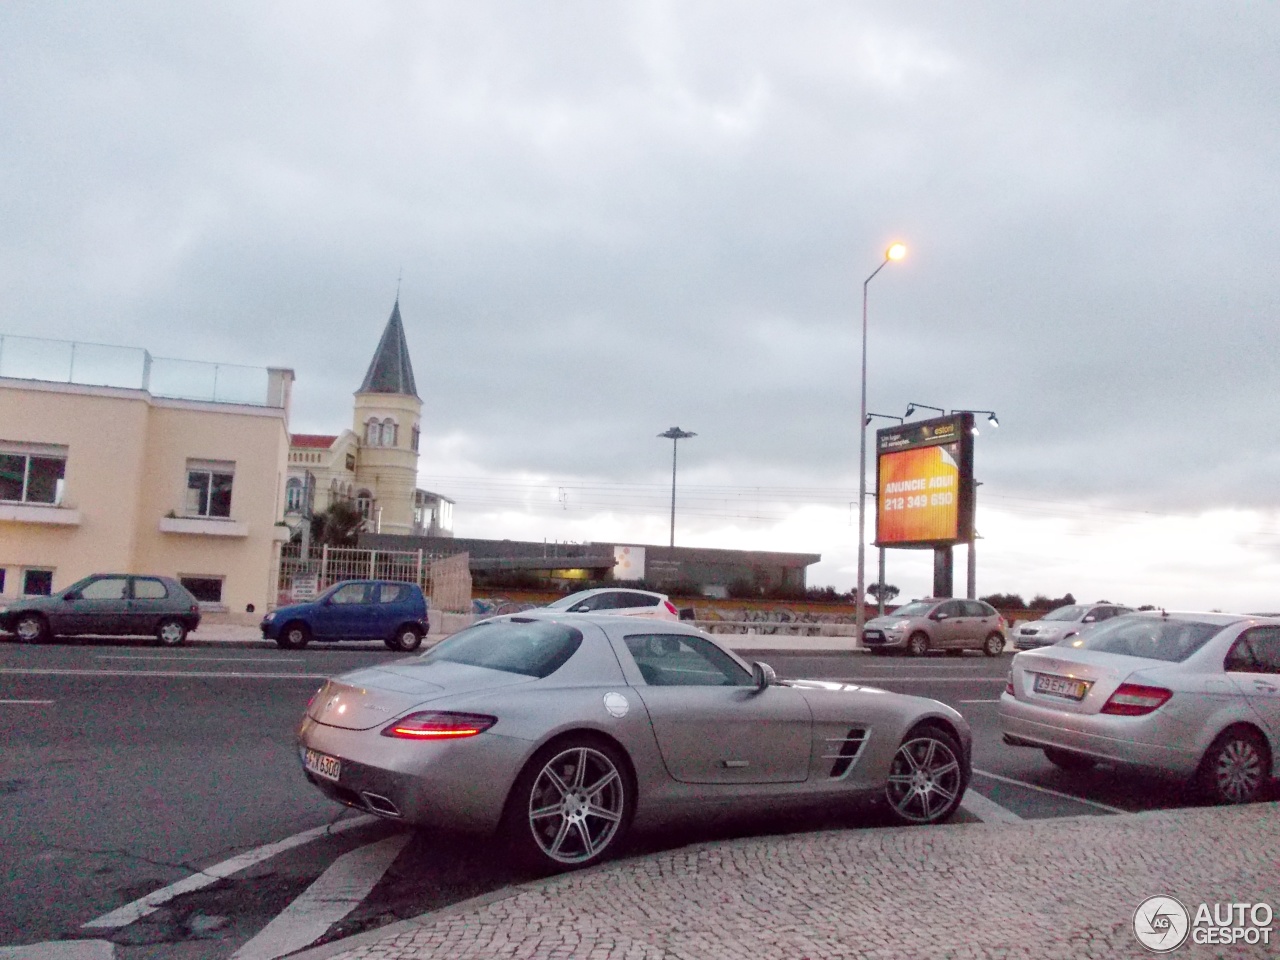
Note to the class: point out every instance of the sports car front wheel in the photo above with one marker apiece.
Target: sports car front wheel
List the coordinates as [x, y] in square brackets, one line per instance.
[571, 805]
[926, 781]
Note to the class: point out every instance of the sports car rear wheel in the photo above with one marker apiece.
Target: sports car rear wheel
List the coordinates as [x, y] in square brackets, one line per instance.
[926, 780]
[571, 805]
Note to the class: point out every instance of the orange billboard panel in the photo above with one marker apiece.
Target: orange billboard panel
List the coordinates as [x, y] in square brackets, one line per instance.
[919, 495]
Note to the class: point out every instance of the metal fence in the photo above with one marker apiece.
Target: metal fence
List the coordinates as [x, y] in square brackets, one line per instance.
[302, 578]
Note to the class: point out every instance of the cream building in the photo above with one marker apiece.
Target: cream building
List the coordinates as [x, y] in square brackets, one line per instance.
[375, 463]
[120, 462]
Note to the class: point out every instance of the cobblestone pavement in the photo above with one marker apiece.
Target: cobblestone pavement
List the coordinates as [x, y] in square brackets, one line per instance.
[1040, 889]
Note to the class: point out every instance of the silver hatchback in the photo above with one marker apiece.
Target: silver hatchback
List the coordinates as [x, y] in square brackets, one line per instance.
[937, 623]
[1190, 695]
[1064, 623]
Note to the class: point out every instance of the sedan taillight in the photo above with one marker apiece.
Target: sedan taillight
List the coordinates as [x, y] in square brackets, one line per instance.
[439, 725]
[1136, 700]
[1008, 684]
[671, 608]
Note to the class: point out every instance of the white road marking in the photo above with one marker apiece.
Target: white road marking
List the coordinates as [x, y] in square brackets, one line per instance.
[152, 902]
[1052, 793]
[988, 811]
[335, 893]
[34, 703]
[125, 656]
[237, 675]
[979, 701]
[61, 950]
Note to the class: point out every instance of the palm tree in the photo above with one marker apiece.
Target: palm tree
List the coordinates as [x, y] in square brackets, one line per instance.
[338, 526]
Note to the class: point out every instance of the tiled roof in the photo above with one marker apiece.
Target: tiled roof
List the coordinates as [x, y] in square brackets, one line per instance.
[390, 371]
[319, 441]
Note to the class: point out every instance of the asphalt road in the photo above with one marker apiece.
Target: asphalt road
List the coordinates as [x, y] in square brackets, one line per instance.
[126, 767]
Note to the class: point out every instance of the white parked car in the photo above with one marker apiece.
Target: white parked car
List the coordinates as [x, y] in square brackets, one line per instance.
[1189, 695]
[1064, 622]
[618, 602]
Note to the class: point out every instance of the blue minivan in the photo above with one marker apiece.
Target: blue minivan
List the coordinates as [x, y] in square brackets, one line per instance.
[386, 610]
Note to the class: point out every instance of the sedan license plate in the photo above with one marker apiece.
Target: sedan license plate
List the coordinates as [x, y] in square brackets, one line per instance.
[872, 636]
[1063, 687]
[321, 765]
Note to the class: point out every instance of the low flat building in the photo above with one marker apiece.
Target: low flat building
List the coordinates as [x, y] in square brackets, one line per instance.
[711, 570]
[112, 460]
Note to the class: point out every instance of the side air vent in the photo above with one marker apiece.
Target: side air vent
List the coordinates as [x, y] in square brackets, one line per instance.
[845, 749]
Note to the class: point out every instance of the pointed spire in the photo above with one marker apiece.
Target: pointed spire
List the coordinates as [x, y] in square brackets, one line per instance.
[391, 371]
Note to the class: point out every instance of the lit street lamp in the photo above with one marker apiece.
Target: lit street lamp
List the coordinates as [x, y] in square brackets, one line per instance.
[895, 252]
[675, 435]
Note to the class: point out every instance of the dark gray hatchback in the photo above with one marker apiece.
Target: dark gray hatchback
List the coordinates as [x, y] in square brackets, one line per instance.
[107, 604]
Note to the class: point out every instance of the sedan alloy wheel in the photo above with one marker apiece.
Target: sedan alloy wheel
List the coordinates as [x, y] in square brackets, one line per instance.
[31, 628]
[926, 781]
[1234, 766]
[575, 804]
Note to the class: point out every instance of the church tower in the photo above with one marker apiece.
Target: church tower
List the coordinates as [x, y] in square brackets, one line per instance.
[387, 421]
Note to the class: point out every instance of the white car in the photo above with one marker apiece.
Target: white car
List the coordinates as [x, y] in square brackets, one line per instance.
[1191, 695]
[618, 602]
[1064, 622]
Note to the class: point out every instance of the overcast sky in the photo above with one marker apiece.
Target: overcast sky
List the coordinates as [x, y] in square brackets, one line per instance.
[613, 218]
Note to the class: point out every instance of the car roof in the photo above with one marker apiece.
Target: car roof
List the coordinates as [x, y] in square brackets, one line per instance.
[1211, 616]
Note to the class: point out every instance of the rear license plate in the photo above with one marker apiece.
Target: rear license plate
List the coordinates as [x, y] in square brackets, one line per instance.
[1063, 687]
[322, 766]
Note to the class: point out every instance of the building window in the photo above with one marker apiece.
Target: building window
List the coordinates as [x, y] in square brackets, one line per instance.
[417, 437]
[293, 495]
[32, 473]
[1, 581]
[372, 433]
[204, 589]
[37, 583]
[364, 503]
[390, 433]
[209, 488]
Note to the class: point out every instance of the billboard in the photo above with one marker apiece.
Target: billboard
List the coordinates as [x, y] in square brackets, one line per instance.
[924, 483]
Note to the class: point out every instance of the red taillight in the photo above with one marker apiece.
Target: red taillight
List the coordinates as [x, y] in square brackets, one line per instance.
[1135, 700]
[1008, 684]
[319, 690]
[439, 725]
[671, 608]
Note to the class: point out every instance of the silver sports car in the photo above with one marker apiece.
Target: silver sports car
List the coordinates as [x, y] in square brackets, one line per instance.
[563, 730]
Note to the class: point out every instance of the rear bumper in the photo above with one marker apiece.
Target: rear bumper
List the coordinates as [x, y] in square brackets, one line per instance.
[1131, 741]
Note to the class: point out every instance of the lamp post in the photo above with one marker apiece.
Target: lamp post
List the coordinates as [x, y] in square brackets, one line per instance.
[675, 435]
[866, 422]
[896, 251]
[913, 407]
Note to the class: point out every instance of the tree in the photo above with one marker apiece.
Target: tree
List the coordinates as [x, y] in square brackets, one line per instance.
[338, 526]
[886, 590]
[1005, 601]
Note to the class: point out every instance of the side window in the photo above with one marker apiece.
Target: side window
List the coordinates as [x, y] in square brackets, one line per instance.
[636, 600]
[677, 660]
[350, 593]
[148, 588]
[1257, 651]
[108, 588]
[392, 593]
[975, 608]
[952, 609]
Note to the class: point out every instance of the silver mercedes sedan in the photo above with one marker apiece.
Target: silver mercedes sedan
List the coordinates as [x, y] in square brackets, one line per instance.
[563, 730]
[1188, 695]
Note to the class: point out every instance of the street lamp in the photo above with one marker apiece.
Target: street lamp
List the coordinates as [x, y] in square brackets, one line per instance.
[675, 435]
[896, 251]
[991, 417]
[912, 407]
[880, 593]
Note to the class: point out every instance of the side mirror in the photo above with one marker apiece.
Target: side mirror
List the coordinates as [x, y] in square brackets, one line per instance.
[71, 595]
[938, 616]
[763, 675]
[1089, 619]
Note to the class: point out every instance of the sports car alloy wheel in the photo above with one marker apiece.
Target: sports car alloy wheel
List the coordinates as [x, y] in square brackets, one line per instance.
[925, 780]
[577, 804]
[1233, 768]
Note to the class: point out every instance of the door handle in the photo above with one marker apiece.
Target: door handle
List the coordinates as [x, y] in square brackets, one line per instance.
[734, 764]
[1263, 685]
